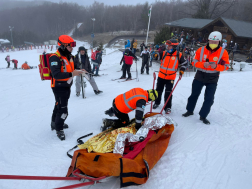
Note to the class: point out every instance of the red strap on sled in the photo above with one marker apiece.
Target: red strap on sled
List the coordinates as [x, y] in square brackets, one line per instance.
[77, 185]
[20, 177]
[76, 173]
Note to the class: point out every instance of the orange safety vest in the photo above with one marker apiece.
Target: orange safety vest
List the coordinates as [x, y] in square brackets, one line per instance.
[66, 66]
[219, 57]
[169, 66]
[126, 102]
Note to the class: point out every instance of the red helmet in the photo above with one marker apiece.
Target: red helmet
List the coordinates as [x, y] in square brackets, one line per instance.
[65, 40]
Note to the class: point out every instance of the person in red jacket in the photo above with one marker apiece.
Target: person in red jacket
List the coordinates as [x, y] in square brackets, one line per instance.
[128, 61]
[15, 63]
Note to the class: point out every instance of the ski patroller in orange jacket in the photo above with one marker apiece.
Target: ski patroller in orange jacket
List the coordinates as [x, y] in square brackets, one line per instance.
[219, 57]
[126, 102]
[169, 66]
[66, 66]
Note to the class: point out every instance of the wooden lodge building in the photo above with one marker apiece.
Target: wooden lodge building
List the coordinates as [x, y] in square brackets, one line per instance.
[239, 32]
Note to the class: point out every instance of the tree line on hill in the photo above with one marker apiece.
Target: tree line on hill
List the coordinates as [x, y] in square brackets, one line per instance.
[49, 20]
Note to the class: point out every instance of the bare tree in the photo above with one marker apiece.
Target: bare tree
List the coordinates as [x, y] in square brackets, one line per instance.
[209, 8]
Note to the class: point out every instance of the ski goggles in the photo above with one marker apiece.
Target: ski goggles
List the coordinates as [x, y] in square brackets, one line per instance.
[71, 44]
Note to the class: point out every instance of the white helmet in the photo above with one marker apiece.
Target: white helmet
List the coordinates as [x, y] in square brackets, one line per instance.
[215, 36]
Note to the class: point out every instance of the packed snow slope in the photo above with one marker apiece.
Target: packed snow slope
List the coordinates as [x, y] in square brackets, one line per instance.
[216, 156]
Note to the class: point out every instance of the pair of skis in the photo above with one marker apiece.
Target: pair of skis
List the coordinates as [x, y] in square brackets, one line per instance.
[137, 79]
[122, 80]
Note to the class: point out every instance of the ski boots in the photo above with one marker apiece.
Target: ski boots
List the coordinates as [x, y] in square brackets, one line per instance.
[129, 78]
[61, 135]
[155, 106]
[122, 77]
[107, 123]
[167, 110]
[110, 112]
[78, 94]
[187, 114]
[205, 121]
[65, 126]
[97, 92]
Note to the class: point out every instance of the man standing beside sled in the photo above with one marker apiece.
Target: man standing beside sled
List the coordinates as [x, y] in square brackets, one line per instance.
[171, 59]
[209, 60]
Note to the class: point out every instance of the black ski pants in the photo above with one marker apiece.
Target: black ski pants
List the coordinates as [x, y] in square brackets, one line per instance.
[8, 64]
[147, 67]
[208, 97]
[60, 111]
[123, 119]
[168, 84]
[126, 68]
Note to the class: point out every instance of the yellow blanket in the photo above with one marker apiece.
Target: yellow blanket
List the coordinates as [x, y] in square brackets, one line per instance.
[104, 142]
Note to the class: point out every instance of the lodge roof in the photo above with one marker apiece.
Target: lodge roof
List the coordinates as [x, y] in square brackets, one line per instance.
[193, 23]
[237, 27]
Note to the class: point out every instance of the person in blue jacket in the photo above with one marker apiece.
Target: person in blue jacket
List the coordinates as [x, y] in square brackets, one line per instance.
[128, 44]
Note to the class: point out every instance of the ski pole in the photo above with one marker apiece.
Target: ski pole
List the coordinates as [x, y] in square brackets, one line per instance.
[137, 79]
[171, 93]
[154, 75]
[82, 87]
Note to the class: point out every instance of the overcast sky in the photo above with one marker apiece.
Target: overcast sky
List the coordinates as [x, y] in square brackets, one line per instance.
[107, 2]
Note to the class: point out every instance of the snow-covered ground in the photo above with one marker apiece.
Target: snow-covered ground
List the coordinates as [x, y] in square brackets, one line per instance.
[216, 156]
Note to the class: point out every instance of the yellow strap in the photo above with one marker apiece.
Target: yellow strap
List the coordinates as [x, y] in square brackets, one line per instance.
[58, 54]
[46, 75]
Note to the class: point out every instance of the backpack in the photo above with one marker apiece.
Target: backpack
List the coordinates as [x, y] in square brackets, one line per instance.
[44, 66]
[93, 56]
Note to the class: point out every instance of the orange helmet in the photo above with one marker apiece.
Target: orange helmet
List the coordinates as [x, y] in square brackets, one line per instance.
[65, 40]
[172, 42]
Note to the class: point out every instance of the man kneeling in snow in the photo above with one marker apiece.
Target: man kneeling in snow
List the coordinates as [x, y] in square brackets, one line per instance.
[134, 99]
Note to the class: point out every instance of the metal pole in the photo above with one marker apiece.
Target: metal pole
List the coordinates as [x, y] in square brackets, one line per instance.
[148, 26]
[11, 36]
[93, 37]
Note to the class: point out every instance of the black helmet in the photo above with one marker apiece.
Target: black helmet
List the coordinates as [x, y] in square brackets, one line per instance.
[127, 51]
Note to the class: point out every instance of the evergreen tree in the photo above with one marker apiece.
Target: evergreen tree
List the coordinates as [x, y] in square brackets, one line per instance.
[162, 35]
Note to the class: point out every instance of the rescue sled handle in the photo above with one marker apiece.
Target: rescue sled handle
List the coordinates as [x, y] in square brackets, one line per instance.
[170, 94]
[154, 79]
[79, 177]
[21, 177]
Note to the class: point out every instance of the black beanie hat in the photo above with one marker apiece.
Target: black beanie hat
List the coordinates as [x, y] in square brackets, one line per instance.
[82, 48]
